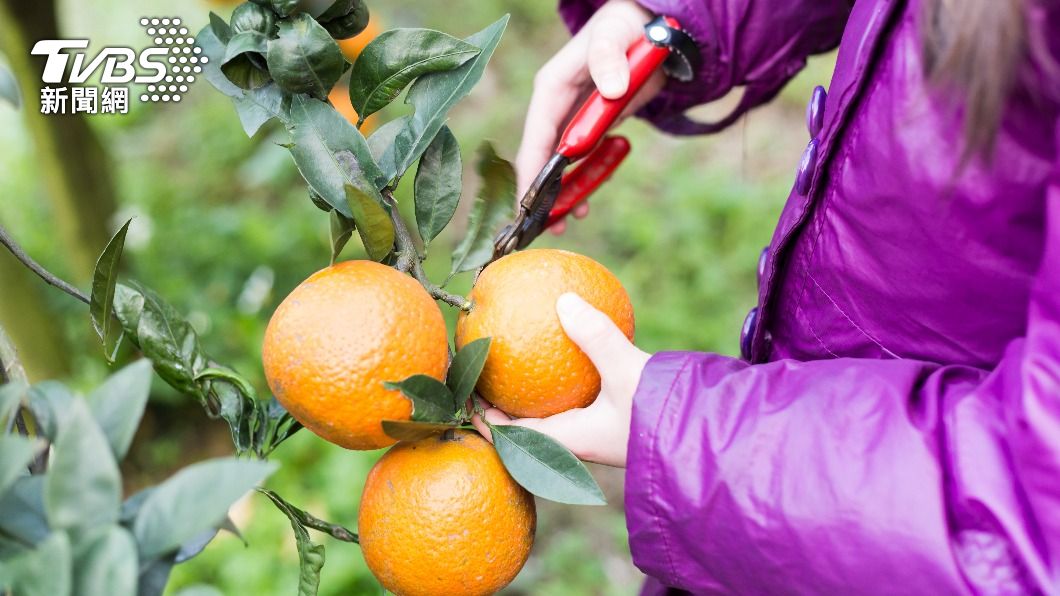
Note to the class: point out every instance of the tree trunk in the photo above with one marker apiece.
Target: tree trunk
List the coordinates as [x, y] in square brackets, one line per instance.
[71, 161]
[75, 173]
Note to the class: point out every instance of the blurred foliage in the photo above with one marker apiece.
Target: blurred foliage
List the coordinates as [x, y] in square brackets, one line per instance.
[222, 229]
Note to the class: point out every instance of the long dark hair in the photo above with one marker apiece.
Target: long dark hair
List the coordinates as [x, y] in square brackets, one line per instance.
[974, 47]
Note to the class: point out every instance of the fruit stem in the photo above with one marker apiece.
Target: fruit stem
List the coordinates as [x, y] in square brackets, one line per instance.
[410, 261]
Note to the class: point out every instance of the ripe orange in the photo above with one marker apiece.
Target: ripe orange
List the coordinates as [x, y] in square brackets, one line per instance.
[340, 99]
[533, 368]
[442, 516]
[351, 48]
[339, 336]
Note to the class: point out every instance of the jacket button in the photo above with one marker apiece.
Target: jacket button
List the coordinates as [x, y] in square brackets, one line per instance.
[762, 264]
[807, 166]
[815, 111]
[747, 333]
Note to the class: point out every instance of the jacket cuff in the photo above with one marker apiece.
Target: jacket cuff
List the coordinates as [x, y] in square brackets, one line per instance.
[655, 408]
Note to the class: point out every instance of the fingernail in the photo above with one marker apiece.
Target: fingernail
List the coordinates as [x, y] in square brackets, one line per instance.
[610, 85]
[569, 305]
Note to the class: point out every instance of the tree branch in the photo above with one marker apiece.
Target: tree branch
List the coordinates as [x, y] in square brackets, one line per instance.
[308, 520]
[334, 530]
[408, 258]
[10, 366]
[35, 267]
[11, 370]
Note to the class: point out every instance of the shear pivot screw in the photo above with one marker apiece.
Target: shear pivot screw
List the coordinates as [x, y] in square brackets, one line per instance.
[658, 33]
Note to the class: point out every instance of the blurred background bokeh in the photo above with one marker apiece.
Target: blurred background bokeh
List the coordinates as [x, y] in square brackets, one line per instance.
[223, 229]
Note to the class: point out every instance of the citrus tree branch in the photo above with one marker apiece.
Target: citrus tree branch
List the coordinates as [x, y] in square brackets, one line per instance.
[334, 530]
[11, 370]
[408, 258]
[16, 250]
[10, 366]
[308, 520]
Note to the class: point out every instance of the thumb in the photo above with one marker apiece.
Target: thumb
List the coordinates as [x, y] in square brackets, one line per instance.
[595, 333]
[607, 62]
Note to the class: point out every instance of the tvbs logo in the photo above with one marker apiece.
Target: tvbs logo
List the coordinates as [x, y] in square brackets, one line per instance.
[166, 68]
[118, 63]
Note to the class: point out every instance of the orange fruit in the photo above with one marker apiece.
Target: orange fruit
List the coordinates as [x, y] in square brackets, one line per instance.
[533, 369]
[340, 99]
[442, 516]
[351, 48]
[341, 334]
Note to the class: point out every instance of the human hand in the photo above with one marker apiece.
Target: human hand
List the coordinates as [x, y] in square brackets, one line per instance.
[598, 433]
[595, 56]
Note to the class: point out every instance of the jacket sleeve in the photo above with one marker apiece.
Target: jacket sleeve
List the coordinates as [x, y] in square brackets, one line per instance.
[831, 476]
[758, 44]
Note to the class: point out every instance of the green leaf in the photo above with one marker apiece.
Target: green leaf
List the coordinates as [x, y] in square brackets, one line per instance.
[154, 575]
[254, 107]
[438, 185]
[231, 376]
[493, 208]
[374, 225]
[15, 454]
[243, 413]
[433, 96]
[23, 510]
[280, 7]
[397, 57]
[190, 548]
[9, 87]
[244, 62]
[321, 138]
[43, 571]
[341, 229]
[304, 58]
[163, 335]
[83, 486]
[380, 143]
[104, 279]
[49, 401]
[105, 563]
[219, 28]
[344, 18]
[118, 404]
[466, 368]
[431, 399]
[258, 106]
[410, 430]
[544, 467]
[279, 426]
[310, 556]
[192, 500]
[253, 17]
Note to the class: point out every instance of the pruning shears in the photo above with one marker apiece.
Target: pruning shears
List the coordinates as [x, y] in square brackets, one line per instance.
[554, 193]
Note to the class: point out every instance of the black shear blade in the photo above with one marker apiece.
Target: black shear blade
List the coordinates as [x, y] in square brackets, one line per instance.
[539, 200]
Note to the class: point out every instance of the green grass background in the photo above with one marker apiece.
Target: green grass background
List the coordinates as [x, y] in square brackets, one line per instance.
[223, 229]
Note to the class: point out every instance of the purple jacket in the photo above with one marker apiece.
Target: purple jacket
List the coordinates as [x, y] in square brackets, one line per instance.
[894, 424]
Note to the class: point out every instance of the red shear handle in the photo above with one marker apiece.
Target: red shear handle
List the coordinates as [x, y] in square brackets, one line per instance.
[597, 114]
[592, 171]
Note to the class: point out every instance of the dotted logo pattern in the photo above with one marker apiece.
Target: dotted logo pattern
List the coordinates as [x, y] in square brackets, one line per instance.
[185, 59]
